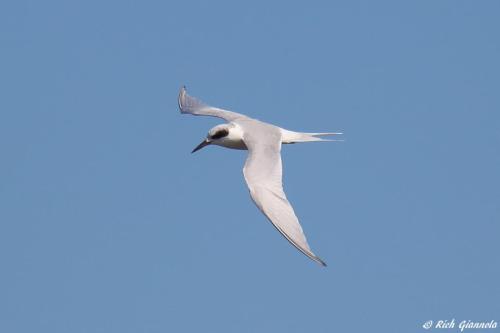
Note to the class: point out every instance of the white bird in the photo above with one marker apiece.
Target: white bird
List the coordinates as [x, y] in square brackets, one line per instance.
[262, 170]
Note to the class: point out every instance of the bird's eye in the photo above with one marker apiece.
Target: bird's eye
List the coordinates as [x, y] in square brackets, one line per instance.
[220, 134]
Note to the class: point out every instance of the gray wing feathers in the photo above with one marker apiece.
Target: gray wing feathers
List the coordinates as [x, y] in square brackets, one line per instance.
[278, 210]
[263, 174]
[191, 105]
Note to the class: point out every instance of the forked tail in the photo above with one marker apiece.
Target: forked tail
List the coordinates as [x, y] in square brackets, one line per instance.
[292, 137]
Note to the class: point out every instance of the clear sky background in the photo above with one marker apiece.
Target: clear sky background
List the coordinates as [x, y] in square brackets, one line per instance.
[109, 224]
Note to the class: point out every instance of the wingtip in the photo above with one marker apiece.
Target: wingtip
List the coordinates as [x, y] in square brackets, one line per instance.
[182, 93]
[321, 262]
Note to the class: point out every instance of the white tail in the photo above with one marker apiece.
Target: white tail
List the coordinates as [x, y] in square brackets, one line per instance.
[292, 137]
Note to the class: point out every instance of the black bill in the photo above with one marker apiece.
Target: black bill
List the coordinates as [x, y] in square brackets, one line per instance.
[201, 145]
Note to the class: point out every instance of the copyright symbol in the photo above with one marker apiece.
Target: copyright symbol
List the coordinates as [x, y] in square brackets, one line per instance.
[427, 325]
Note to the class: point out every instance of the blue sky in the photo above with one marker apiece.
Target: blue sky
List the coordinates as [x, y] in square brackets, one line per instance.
[109, 224]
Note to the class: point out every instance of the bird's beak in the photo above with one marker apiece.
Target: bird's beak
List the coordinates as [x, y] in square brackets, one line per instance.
[201, 145]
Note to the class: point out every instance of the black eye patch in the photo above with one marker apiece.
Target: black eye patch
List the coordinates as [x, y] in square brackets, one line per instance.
[220, 134]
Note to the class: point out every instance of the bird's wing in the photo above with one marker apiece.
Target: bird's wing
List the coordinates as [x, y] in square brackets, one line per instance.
[191, 105]
[263, 174]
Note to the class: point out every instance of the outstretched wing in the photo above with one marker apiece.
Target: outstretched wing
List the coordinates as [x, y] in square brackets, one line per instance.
[191, 105]
[263, 174]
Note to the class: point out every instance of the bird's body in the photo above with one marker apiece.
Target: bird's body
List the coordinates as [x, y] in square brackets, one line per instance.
[262, 170]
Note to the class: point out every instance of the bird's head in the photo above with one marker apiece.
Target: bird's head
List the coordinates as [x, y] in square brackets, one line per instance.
[215, 136]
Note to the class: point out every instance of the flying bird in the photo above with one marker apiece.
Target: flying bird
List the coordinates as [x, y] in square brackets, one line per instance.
[262, 170]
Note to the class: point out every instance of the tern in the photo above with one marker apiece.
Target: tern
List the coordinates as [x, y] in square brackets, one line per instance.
[262, 170]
